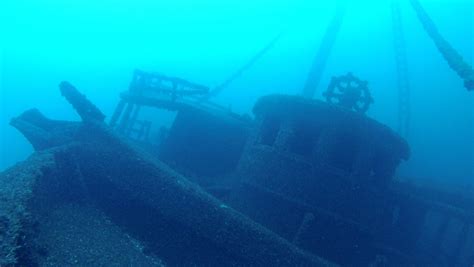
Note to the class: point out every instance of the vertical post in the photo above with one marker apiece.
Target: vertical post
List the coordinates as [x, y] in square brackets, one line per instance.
[133, 120]
[403, 84]
[118, 111]
[126, 117]
[322, 55]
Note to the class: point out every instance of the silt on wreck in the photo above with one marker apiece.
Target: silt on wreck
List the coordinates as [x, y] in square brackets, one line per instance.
[304, 183]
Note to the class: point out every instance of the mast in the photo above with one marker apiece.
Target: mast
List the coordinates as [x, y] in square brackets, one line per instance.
[218, 89]
[319, 61]
[403, 84]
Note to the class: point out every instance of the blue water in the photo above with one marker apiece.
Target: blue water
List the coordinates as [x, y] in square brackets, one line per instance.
[96, 45]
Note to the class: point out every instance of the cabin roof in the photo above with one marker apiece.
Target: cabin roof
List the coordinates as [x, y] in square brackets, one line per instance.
[307, 111]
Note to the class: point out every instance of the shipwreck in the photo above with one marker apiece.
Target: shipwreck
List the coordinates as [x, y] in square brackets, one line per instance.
[300, 182]
[304, 183]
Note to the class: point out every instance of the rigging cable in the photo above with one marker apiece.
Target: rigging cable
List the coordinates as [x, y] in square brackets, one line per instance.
[218, 89]
[325, 48]
[403, 84]
[454, 59]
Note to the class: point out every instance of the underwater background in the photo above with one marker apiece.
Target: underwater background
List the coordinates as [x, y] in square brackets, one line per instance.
[96, 45]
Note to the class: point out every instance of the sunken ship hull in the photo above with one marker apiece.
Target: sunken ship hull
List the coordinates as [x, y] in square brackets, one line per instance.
[305, 183]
